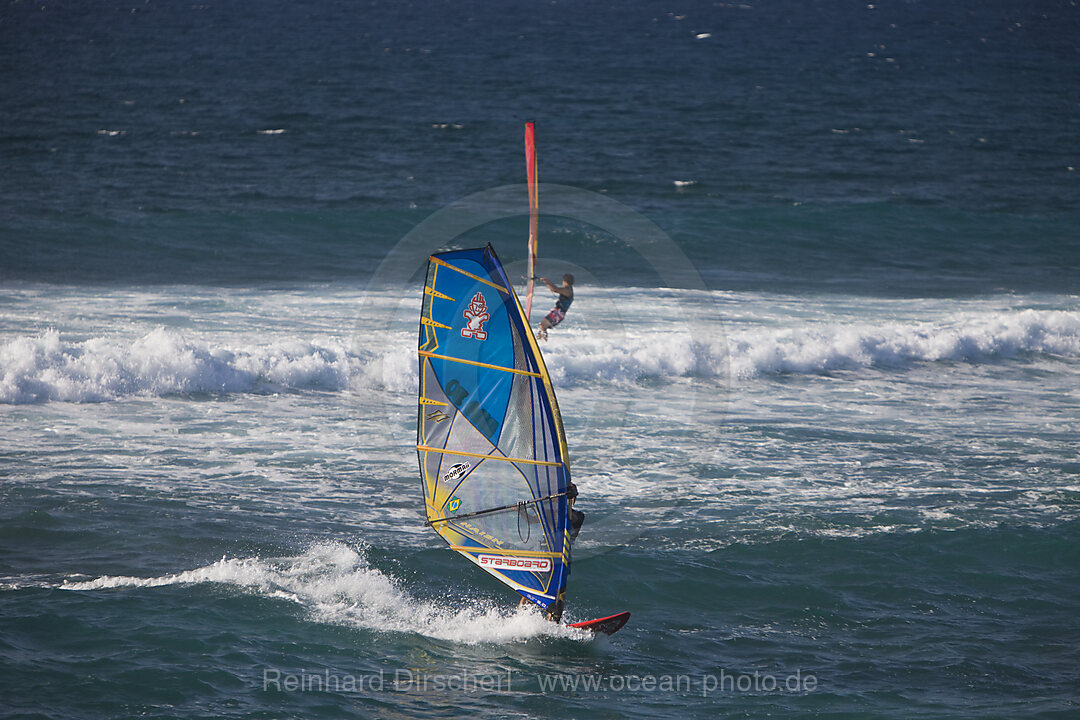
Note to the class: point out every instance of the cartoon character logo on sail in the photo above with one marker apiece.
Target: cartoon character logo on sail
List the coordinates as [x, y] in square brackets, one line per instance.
[477, 315]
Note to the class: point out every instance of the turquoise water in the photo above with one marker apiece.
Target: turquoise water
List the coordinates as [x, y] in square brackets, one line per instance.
[819, 381]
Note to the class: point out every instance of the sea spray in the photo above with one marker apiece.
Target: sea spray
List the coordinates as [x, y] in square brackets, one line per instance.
[337, 585]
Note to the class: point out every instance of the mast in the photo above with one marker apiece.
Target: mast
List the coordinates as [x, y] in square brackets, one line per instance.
[534, 207]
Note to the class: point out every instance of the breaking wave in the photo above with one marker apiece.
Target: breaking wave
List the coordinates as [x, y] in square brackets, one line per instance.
[970, 338]
[163, 362]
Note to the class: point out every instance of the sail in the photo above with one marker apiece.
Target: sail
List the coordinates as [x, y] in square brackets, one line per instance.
[492, 451]
[534, 209]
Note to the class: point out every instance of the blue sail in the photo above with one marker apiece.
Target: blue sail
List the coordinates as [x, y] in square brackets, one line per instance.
[492, 451]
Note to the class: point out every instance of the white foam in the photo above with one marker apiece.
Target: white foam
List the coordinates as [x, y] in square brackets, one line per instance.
[336, 585]
[971, 337]
[35, 369]
[614, 336]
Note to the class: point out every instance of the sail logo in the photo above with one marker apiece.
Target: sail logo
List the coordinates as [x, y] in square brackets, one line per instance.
[455, 503]
[477, 315]
[478, 416]
[525, 564]
[437, 416]
[456, 472]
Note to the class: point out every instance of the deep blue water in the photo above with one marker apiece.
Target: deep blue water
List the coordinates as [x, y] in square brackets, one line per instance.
[938, 138]
[820, 380]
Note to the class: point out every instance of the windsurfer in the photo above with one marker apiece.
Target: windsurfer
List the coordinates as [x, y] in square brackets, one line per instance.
[577, 519]
[566, 296]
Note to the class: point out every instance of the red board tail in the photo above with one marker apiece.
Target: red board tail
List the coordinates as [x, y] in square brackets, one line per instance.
[608, 625]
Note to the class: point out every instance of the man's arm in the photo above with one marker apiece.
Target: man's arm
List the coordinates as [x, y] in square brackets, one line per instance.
[555, 289]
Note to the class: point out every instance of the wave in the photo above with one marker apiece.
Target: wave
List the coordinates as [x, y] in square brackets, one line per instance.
[337, 585]
[970, 337]
[164, 362]
[706, 351]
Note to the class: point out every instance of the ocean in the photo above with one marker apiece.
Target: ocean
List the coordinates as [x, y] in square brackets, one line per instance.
[820, 381]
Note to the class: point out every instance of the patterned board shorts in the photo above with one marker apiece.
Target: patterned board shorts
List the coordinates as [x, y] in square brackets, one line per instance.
[555, 316]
